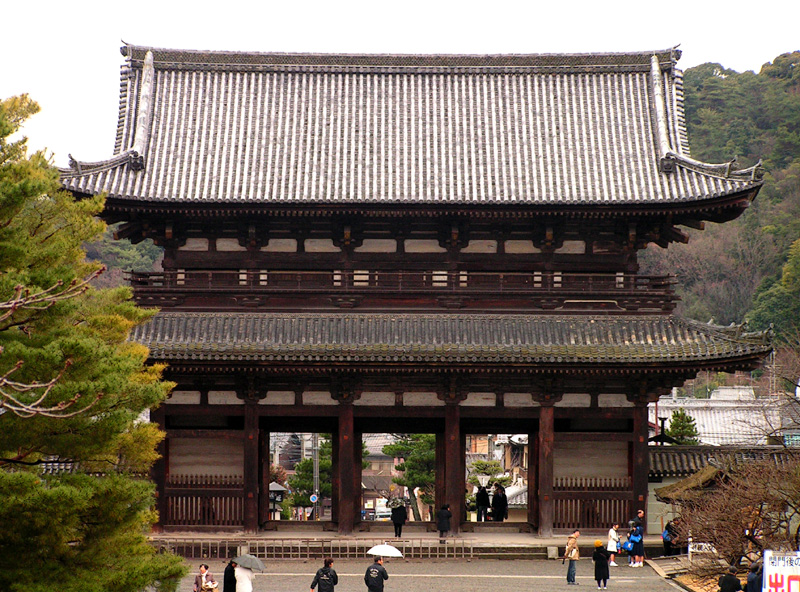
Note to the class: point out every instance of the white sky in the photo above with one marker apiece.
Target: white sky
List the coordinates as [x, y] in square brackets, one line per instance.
[65, 54]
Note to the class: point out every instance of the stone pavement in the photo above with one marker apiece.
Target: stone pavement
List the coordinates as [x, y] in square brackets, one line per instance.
[445, 576]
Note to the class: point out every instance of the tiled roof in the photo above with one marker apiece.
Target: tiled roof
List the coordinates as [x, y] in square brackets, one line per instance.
[722, 423]
[680, 461]
[424, 338]
[585, 129]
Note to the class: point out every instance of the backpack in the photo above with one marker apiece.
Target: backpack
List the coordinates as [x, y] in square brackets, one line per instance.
[666, 535]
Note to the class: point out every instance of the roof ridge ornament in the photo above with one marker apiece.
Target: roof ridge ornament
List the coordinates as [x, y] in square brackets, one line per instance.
[670, 159]
[145, 114]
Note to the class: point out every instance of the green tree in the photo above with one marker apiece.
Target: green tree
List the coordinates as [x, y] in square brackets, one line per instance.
[490, 468]
[682, 428]
[418, 452]
[779, 304]
[71, 388]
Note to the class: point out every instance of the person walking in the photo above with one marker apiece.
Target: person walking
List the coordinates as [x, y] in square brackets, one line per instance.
[326, 577]
[670, 537]
[573, 554]
[399, 517]
[754, 578]
[443, 521]
[244, 579]
[612, 546]
[600, 560]
[729, 582]
[482, 503]
[204, 581]
[229, 577]
[499, 504]
[375, 576]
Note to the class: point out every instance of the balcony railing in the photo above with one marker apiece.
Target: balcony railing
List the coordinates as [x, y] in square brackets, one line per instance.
[437, 281]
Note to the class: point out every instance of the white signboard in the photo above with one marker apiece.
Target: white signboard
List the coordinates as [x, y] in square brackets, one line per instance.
[781, 572]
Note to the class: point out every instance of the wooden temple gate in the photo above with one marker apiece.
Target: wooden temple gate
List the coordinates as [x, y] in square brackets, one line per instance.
[439, 244]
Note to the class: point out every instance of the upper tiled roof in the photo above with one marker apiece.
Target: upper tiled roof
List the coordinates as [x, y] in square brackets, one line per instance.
[585, 129]
[437, 338]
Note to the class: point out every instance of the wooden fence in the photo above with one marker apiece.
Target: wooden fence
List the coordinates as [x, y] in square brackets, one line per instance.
[591, 502]
[200, 500]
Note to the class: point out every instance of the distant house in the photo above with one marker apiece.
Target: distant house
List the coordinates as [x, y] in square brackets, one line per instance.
[731, 416]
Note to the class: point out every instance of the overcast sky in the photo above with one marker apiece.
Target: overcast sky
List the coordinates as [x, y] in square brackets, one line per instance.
[65, 54]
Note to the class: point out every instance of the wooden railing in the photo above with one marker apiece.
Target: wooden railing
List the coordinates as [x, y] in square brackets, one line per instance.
[466, 282]
[592, 503]
[200, 500]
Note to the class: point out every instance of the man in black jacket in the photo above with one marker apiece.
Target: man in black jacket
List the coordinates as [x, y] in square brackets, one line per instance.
[375, 576]
[729, 582]
[482, 503]
[325, 577]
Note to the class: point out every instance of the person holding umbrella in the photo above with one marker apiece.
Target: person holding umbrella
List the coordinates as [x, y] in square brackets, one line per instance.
[325, 577]
[375, 575]
[245, 564]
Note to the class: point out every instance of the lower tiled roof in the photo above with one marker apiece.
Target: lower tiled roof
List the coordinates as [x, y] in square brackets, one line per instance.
[441, 338]
[680, 461]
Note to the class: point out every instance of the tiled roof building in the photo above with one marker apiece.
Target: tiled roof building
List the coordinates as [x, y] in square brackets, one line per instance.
[439, 244]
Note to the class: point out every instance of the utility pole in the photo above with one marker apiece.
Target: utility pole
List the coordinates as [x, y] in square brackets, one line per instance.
[315, 455]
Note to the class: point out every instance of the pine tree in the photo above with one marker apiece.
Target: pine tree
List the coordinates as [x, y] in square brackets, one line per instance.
[682, 428]
[71, 388]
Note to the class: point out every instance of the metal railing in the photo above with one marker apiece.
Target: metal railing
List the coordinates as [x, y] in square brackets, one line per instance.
[310, 548]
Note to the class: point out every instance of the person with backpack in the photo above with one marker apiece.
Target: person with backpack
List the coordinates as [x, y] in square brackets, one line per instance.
[670, 537]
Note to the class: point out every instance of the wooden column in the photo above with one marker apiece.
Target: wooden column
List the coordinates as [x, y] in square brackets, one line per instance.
[160, 469]
[545, 470]
[251, 468]
[358, 454]
[346, 468]
[264, 478]
[440, 477]
[335, 479]
[641, 457]
[454, 465]
[533, 479]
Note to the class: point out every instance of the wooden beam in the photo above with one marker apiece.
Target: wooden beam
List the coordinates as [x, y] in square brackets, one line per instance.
[545, 477]
[160, 469]
[251, 469]
[205, 434]
[347, 473]
[641, 457]
[454, 465]
[264, 478]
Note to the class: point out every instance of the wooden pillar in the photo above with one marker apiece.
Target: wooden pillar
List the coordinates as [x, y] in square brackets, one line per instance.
[533, 479]
[545, 470]
[335, 480]
[346, 469]
[641, 458]
[440, 477]
[251, 468]
[160, 469]
[358, 454]
[264, 478]
[454, 465]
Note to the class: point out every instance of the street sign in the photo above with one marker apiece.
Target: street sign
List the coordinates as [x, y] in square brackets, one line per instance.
[781, 572]
[313, 498]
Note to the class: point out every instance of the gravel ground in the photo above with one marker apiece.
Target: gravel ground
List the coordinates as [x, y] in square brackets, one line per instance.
[443, 576]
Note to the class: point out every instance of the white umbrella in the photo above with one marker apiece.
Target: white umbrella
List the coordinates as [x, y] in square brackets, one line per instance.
[385, 551]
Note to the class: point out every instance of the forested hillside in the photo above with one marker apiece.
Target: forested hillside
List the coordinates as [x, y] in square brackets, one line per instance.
[748, 268]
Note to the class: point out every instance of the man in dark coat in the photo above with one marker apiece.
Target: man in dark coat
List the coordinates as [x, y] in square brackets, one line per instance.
[499, 504]
[375, 576]
[482, 503]
[399, 516]
[729, 582]
[325, 577]
[443, 521]
[229, 577]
